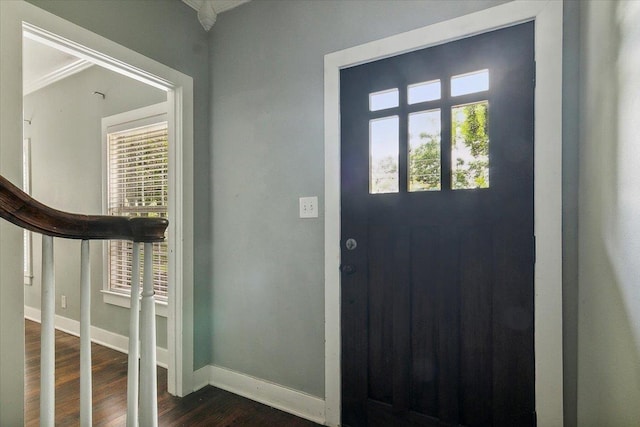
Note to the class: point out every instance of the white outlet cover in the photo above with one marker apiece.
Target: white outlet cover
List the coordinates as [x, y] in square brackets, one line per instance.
[309, 207]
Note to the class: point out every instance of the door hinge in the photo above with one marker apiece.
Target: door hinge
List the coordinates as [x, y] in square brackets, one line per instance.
[534, 249]
[534, 73]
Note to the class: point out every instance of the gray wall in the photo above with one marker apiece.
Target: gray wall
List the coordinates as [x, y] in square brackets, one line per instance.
[167, 31]
[609, 206]
[570, 144]
[267, 135]
[66, 152]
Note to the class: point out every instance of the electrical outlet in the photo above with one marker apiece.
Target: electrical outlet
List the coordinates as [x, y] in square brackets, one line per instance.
[309, 207]
[63, 301]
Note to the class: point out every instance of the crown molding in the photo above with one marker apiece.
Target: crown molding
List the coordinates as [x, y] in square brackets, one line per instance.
[208, 10]
[56, 75]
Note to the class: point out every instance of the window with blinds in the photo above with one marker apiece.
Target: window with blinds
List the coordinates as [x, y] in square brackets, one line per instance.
[137, 185]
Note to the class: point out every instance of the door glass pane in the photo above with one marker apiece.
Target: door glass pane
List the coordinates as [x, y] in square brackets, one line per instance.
[422, 92]
[478, 81]
[424, 151]
[470, 146]
[383, 155]
[383, 100]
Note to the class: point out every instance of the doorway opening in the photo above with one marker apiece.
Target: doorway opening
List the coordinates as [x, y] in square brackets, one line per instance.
[70, 88]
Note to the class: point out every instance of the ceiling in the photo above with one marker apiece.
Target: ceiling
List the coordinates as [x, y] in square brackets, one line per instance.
[44, 65]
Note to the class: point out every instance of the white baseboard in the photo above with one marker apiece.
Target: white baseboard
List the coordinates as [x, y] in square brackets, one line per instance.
[286, 399]
[201, 378]
[99, 336]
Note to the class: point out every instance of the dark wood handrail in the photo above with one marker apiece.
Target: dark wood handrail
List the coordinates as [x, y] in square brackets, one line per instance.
[18, 207]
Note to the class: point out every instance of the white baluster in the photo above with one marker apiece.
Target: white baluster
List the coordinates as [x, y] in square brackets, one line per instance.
[134, 334]
[85, 335]
[148, 380]
[47, 336]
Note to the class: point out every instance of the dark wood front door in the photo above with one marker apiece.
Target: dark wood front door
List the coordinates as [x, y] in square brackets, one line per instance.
[437, 235]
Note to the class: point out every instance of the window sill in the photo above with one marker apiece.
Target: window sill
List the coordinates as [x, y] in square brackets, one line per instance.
[123, 300]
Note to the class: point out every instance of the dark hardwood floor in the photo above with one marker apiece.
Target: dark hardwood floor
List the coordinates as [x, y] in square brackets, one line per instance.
[207, 407]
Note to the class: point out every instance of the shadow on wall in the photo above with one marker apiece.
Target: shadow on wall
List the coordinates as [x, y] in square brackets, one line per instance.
[609, 237]
[622, 239]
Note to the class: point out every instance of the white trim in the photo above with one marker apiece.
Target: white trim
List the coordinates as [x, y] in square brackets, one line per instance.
[27, 235]
[180, 320]
[56, 75]
[99, 336]
[124, 300]
[275, 395]
[208, 10]
[194, 4]
[68, 37]
[201, 378]
[548, 189]
[70, 47]
[151, 114]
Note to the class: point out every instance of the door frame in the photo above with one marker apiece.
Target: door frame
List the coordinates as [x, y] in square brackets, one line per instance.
[547, 182]
[61, 34]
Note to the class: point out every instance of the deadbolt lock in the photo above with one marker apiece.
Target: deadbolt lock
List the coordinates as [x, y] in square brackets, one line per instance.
[348, 269]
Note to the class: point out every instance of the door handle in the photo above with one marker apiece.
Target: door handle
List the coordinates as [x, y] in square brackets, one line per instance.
[348, 269]
[351, 244]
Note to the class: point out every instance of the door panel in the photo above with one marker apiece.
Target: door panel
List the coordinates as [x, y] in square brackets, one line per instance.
[475, 325]
[437, 297]
[424, 361]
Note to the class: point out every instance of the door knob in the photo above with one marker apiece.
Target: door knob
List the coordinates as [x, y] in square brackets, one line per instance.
[348, 268]
[351, 244]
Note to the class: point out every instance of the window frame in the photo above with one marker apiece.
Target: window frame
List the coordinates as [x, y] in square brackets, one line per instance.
[144, 116]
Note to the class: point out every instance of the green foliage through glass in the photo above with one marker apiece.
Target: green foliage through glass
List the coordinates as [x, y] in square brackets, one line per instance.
[470, 146]
[383, 155]
[424, 151]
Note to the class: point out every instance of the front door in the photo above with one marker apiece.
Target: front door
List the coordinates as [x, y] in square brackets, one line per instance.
[437, 235]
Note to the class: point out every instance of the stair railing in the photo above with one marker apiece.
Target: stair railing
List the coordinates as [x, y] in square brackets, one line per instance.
[19, 208]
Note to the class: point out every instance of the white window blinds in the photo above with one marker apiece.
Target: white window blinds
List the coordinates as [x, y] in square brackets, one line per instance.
[137, 185]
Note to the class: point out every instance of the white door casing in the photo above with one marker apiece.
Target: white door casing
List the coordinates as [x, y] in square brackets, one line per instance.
[547, 181]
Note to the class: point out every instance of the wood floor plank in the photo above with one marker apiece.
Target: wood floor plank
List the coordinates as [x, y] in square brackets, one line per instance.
[206, 407]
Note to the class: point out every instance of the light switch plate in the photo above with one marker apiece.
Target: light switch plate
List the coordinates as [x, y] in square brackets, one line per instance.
[309, 207]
